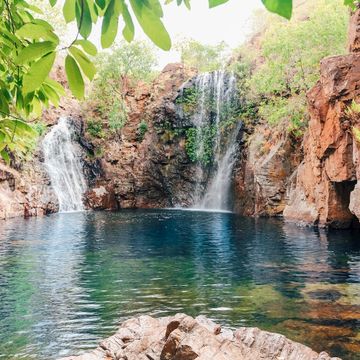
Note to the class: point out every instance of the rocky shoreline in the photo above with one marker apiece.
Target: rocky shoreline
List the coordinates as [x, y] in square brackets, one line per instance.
[182, 337]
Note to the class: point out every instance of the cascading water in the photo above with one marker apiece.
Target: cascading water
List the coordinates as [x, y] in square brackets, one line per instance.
[216, 127]
[64, 167]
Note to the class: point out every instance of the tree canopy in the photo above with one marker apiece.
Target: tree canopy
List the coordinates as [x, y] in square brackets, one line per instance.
[202, 57]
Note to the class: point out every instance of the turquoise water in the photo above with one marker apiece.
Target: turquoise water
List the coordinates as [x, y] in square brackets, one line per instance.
[68, 280]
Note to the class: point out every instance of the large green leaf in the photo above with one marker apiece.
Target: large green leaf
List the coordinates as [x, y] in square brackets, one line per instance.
[52, 95]
[52, 2]
[129, 29]
[88, 46]
[76, 82]
[17, 127]
[69, 10]
[86, 65]
[151, 24]
[83, 18]
[37, 31]
[4, 104]
[33, 8]
[213, 3]
[281, 7]
[34, 51]
[38, 73]
[93, 10]
[110, 23]
[101, 4]
[5, 156]
[55, 85]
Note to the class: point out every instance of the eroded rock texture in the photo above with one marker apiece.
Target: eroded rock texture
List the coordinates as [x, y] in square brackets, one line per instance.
[264, 173]
[26, 192]
[326, 190]
[154, 171]
[184, 338]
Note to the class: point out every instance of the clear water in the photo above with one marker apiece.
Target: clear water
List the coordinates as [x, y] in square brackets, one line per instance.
[68, 280]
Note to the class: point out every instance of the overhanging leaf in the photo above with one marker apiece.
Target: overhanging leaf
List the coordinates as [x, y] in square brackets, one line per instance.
[129, 29]
[213, 3]
[38, 73]
[110, 23]
[69, 10]
[151, 24]
[37, 31]
[76, 82]
[5, 156]
[55, 85]
[34, 51]
[88, 46]
[280, 7]
[86, 65]
[83, 18]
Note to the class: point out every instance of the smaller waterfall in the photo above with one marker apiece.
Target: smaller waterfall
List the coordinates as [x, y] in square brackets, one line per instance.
[216, 127]
[64, 166]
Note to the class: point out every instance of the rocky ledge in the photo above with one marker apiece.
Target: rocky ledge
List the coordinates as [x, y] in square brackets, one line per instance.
[184, 338]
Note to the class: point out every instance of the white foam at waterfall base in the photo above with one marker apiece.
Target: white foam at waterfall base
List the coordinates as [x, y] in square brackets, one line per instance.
[63, 165]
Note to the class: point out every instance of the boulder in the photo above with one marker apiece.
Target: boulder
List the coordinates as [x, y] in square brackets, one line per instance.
[182, 337]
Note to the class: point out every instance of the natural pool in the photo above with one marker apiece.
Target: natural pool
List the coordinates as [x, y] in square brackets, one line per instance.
[67, 280]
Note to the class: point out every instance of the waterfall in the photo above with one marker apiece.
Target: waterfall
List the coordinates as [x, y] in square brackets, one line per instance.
[216, 125]
[64, 167]
[216, 195]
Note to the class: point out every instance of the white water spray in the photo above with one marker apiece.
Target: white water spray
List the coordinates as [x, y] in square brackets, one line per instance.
[217, 94]
[64, 167]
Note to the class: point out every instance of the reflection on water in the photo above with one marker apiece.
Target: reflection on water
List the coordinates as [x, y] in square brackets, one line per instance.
[68, 280]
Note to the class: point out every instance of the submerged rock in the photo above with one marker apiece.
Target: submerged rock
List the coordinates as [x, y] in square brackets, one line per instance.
[182, 337]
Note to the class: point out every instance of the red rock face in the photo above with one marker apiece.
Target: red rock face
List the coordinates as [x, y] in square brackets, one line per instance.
[152, 172]
[324, 193]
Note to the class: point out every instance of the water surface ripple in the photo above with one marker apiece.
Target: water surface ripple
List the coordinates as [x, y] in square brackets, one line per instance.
[68, 280]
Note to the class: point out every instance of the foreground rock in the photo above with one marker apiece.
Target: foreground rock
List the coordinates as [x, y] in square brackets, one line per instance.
[184, 338]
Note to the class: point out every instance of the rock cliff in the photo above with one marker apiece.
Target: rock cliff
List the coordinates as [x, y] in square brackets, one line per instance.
[149, 171]
[264, 172]
[184, 338]
[326, 191]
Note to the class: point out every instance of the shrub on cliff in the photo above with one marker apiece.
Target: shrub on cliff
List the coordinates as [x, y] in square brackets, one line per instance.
[285, 58]
[118, 71]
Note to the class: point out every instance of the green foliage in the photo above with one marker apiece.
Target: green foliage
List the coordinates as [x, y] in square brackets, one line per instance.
[16, 137]
[40, 127]
[353, 109]
[188, 99]
[95, 128]
[117, 115]
[134, 61]
[199, 144]
[202, 57]
[356, 133]
[142, 130]
[291, 112]
[291, 52]
[118, 71]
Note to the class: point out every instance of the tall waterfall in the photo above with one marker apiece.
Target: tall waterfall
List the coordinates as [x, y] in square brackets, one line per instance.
[64, 167]
[216, 127]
